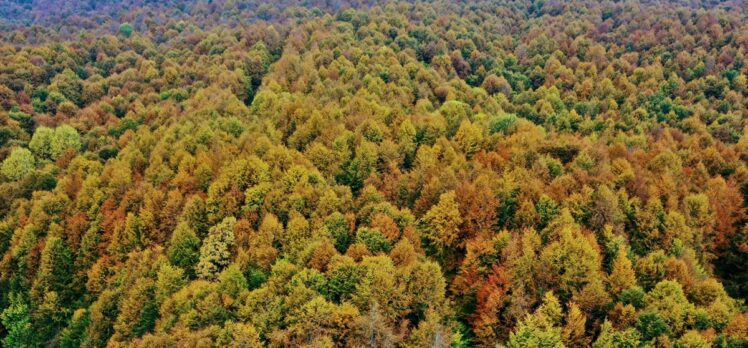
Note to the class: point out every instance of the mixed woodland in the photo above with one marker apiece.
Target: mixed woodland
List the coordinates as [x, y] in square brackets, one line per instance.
[345, 173]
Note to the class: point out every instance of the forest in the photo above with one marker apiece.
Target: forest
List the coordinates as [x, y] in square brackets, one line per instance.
[360, 173]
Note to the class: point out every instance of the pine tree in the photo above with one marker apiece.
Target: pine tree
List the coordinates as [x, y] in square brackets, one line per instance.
[48, 317]
[55, 268]
[126, 237]
[184, 248]
[137, 312]
[73, 335]
[574, 330]
[540, 329]
[622, 275]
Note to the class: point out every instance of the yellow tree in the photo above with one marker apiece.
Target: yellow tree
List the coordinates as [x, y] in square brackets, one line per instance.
[441, 224]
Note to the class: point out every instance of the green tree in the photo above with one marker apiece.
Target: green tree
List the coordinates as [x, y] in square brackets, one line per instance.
[48, 318]
[215, 253]
[651, 326]
[126, 29]
[343, 277]
[668, 303]
[55, 268]
[571, 260]
[138, 311]
[126, 237]
[184, 248]
[454, 112]
[426, 287]
[74, 334]
[373, 239]
[610, 337]
[17, 323]
[232, 282]
[50, 143]
[297, 235]
[69, 85]
[65, 137]
[41, 142]
[540, 329]
[19, 164]
[339, 230]
[168, 281]
[547, 210]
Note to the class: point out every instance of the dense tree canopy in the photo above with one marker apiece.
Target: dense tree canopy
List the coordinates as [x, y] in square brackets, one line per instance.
[374, 174]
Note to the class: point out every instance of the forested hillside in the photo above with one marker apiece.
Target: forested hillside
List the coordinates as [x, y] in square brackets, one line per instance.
[492, 173]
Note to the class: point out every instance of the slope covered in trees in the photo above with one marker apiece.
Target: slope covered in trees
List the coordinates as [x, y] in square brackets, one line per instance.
[373, 174]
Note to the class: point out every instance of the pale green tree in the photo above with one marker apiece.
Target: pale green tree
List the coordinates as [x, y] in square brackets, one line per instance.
[19, 164]
[215, 253]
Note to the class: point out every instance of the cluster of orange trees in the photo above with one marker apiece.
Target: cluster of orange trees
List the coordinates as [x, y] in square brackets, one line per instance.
[373, 174]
